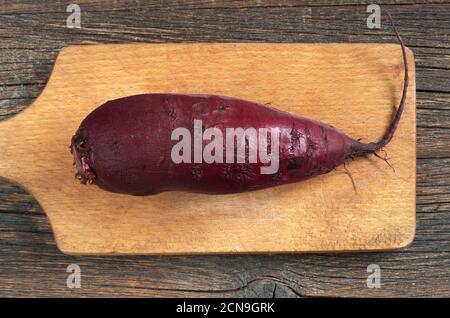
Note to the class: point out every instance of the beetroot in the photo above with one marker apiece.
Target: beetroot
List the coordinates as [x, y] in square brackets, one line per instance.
[146, 144]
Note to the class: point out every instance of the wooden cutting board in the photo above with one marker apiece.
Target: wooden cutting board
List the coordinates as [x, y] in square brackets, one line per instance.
[350, 86]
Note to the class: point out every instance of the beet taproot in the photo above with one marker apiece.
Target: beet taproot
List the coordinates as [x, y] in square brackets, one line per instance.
[139, 144]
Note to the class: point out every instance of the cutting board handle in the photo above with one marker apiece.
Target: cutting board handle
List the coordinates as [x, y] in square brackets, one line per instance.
[19, 134]
[4, 148]
[13, 135]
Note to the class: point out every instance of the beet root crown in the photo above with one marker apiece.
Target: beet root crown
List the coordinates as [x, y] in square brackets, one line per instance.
[81, 153]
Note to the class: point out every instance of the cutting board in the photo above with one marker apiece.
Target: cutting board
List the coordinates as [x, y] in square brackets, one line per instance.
[350, 86]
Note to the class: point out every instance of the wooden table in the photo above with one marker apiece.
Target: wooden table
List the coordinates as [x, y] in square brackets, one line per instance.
[32, 33]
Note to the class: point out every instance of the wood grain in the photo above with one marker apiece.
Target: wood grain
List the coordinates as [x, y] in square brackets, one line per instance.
[322, 214]
[32, 34]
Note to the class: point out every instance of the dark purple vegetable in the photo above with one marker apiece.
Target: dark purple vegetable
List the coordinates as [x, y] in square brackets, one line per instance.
[135, 144]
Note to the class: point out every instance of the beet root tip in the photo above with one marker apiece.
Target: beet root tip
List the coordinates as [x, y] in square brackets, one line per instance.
[358, 148]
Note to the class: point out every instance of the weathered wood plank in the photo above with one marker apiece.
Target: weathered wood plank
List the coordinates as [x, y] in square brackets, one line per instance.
[33, 6]
[41, 271]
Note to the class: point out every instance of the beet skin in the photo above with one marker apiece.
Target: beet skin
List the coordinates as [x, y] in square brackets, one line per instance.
[125, 145]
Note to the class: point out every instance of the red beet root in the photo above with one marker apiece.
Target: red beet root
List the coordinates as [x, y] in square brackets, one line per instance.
[128, 145]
